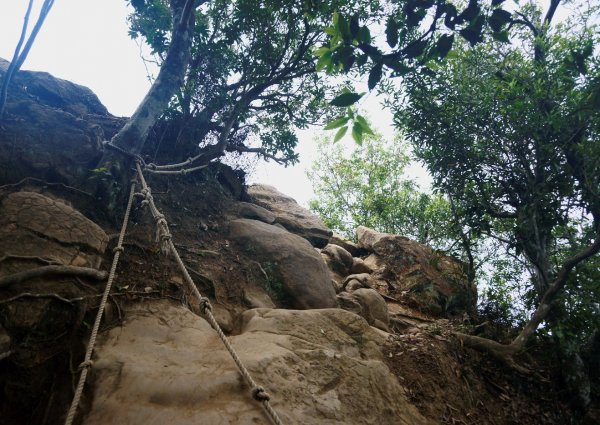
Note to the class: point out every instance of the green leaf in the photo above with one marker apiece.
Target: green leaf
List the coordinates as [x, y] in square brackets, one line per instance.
[450, 18]
[362, 59]
[345, 99]
[336, 18]
[338, 122]
[364, 35]
[354, 26]
[321, 51]
[391, 32]
[499, 18]
[340, 133]
[444, 45]
[399, 68]
[470, 13]
[414, 18]
[415, 48]
[375, 75]
[474, 32]
[357, 133]
[501, 36]
[343, 26]
[323, 62]
[366, 129]
[329, 31]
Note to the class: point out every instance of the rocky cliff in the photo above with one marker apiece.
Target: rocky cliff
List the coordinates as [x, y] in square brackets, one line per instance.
[336, 332]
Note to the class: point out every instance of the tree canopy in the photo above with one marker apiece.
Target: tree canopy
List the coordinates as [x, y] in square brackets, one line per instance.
[370, 187]
[250, 81]
[510, 132]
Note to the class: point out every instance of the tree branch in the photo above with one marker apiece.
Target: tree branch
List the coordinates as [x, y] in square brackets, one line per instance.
[52, 270]
[260, 151]
[551, 10]
[13, 64]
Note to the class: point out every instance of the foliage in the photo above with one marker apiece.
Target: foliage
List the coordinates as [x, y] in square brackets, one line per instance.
[251, 80]
[417, 33]
[510, 132]
[369, 187]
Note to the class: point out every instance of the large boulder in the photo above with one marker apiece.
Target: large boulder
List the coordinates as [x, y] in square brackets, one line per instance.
[34, 225]
[35, 231]
[165, 365]
[297, 275]
[433, 282]
[65, 125]
[339, 261]
[368, 303]
[290, 215]
[349, 246]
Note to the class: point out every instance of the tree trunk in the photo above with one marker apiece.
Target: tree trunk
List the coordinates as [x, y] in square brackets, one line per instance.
[132, 136]
[506, 352]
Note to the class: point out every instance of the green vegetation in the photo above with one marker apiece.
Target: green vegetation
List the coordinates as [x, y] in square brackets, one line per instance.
[370, 187]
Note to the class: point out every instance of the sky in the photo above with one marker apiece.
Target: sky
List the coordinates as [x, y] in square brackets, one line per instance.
[86, 41]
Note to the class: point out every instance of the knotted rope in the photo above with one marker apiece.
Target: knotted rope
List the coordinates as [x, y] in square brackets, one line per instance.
[159, 169]
[87, 362]
[258, 392]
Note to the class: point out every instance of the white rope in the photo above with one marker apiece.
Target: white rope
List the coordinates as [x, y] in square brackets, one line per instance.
[87, 362]
[183, 171]
[258, 392]
[150, 167]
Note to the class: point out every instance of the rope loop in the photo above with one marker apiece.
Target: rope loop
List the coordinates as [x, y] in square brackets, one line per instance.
[205, 305]
[145, 203]
[118, 249]
[260, 394]
[87, 364]
[165, 237]
[151, 166]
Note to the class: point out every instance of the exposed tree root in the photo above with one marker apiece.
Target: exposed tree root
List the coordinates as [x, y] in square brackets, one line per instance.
[504, 353]
[52, 270]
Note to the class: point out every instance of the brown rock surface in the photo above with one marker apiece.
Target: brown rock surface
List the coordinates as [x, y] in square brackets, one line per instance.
[167, 366]
[360, 266]
[290, 215]
[65, 125]
[298, 275]
[369, 304]
[33, 225]
[349, 246]
[341, 260]
[434, 282]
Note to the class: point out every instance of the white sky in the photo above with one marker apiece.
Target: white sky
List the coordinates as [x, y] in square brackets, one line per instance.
[86, 41]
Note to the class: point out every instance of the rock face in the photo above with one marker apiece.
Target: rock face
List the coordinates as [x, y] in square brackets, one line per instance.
[36, 230]
[435, 282]
[339, 261]
[290, 215]
[297, 275]
[46, 227]
[166, 365]
[369, 304]
[349, 246]
[58, 113]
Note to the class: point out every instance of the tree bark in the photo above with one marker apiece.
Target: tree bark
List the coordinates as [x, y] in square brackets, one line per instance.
[505, 352]
[132, 136]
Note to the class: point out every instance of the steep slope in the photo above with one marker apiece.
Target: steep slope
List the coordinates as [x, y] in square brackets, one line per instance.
[252, 252]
